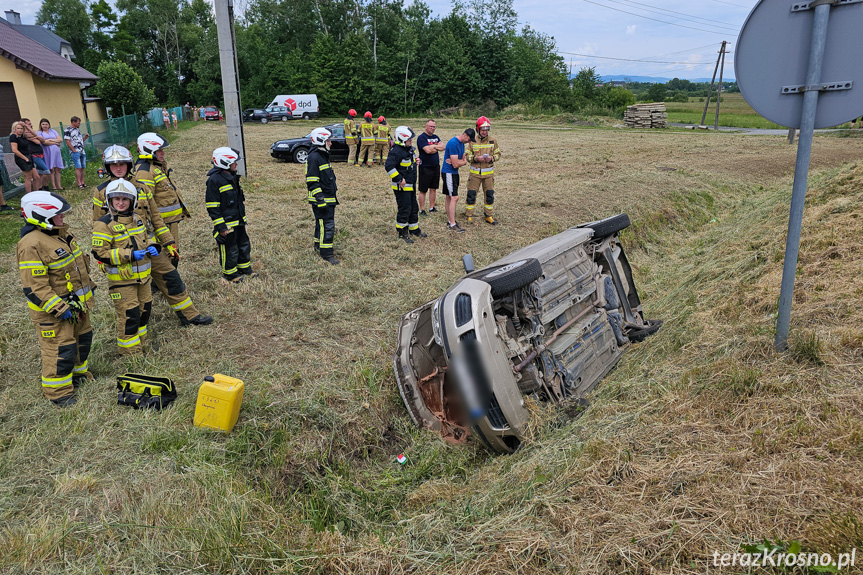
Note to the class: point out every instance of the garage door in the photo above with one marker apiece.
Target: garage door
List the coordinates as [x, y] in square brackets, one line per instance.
[8, 106]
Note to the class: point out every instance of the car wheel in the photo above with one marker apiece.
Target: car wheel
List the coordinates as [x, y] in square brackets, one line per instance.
[264, 120]
[510, 277]
[301, 155]
[306, 116]
[284, 118]
[608, 226]
[638, 335]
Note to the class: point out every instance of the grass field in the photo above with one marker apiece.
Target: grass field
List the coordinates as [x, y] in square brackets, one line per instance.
[701, 440]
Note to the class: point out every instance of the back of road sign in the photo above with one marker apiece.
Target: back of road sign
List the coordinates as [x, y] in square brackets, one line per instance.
[772, 56]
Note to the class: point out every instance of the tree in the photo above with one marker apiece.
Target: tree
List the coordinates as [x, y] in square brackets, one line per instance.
[122, 88]
[69, 20]
[656, 93]
[584, 87]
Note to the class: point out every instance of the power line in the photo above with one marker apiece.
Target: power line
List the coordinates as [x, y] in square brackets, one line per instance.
[688, 17]
[731, 4]
[657, 20]
[635, 60]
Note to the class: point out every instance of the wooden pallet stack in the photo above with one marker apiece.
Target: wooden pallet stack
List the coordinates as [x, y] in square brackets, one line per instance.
[646, 116]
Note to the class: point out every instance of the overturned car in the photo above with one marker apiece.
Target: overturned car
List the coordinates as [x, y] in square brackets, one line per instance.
[548, 321]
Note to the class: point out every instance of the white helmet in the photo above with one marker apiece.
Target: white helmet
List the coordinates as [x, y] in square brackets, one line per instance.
[121, 189]
[117, 155]
[320, 136]
[39, 207]
[403, 134]
[151, 142]
[223, 157]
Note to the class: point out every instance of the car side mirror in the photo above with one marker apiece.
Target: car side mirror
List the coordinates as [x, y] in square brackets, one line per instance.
[467, 260]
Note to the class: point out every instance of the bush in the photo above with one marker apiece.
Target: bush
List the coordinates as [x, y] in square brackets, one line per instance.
[121, 88]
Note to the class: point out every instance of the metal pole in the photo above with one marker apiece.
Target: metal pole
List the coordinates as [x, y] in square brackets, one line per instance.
[719, 91]
[791, 133]
[230, 82]
[801, 173]
[710, 89]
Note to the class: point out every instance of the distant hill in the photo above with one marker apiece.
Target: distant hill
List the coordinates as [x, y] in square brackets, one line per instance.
[633, 78]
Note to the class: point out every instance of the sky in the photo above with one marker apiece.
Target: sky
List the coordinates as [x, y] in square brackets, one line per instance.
[677, 38]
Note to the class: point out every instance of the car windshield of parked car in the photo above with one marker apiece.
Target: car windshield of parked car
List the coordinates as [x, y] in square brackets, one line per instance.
[210, 109]
[338, 131]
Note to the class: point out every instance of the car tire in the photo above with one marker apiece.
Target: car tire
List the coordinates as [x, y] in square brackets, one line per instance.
[510, 277]
[639, 335]
[306, 116]
[264, 120]
[301, 155]
[284, 118]
[608, 226]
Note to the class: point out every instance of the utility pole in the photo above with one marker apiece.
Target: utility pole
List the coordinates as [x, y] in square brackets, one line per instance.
[230, 81]
[719, 91]
[720, 58]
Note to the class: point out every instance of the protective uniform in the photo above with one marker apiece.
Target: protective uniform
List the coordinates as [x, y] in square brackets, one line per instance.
[117, 239]
[321, 184]
[367, 138]
[401, 165]
[55, 274]
[481, 172]
[351, 136]
[382, 140]
[226, 207]
[156, 177]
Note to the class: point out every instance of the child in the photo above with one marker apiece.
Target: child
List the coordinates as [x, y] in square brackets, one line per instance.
[120, 242]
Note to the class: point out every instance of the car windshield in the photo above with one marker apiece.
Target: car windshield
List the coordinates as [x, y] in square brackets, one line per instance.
[210, 109]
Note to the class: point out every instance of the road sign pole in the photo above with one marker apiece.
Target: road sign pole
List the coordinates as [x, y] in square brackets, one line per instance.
[801, 173]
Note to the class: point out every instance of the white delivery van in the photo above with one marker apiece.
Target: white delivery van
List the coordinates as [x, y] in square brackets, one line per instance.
[303, 106]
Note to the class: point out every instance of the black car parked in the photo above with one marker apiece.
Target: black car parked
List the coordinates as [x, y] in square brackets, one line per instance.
[256, 115]
[282, 113]
[297, 149]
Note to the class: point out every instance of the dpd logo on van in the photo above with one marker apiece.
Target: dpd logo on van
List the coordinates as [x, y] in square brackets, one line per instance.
[290, 103]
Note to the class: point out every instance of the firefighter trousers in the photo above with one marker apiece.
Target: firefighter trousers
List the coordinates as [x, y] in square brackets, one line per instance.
[167, 280]
[174, 228]
[380, 152]
[65, 347]
[132, 304]
[474, 183]
[367, 153]
[325, 229]
[352, 152]
[235, 253]
[408, 211]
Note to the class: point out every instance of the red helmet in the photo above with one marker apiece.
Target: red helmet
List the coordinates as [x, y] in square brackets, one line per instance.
[381, 119]
[352, 113]
[483, 122]
[368, 115]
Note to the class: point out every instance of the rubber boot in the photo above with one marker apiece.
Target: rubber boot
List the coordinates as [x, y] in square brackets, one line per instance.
[491, 220]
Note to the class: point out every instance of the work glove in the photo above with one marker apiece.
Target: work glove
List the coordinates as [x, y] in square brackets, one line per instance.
[126, 271]
[173, 252]
[101, 267]
[138, 254]
[66, 315]
[78, 310]
[152, 251]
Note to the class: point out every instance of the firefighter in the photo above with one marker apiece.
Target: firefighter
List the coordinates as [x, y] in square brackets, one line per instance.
[367, 139]
[152, 173]
[121, 245]
[382, 140]
[481, 155]
[401, 167]
[118, 165]
[321, 183]
[351, 137]
[226, 207]
[55, 274]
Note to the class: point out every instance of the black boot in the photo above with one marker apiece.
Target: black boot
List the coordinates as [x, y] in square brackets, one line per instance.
[403, 234]
[419, 233]
[199, 319]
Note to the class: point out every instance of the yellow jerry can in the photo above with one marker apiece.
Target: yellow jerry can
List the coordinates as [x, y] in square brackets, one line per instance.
[219, 399]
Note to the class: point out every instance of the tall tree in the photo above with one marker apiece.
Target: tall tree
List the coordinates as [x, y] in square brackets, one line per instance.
[69, 20]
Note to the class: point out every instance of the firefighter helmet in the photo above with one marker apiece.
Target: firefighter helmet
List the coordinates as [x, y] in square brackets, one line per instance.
[382, 120]
[150, 142]
[117, 155]
[482, 122]
[223, 157]
[121, 189]
[367, 115]
[39, 207]
[320, 136]
[403, 134]
[352, 113]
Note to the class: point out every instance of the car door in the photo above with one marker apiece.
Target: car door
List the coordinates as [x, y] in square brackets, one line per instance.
[338, 148]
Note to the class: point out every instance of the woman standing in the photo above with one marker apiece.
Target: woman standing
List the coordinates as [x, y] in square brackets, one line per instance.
[51, 148]
[24, 157]
[166, 118]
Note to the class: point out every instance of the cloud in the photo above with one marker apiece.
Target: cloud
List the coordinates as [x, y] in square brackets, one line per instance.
[630, 30]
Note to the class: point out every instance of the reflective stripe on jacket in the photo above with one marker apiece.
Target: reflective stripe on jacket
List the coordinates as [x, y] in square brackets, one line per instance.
[401, 164]
[151, 174]
[350, 131]
[225, 200]
[147, 209]
[383, 136]
[114, 240]
[481, 147]
[320, 179]
[367, 133]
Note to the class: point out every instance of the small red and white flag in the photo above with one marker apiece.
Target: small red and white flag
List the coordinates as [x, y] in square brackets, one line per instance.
[402, 459]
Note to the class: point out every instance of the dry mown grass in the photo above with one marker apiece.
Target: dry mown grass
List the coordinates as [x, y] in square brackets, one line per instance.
[701, 439]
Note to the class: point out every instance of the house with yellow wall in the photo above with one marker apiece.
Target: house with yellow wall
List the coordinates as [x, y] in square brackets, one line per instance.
[37, 82]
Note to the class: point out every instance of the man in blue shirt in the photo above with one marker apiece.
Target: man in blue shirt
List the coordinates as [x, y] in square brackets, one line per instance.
[429, 144]
[454, 159]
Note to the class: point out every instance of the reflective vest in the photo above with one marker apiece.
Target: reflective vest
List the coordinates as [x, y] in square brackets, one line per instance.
[383, 136]
[482, 146]
[367, 133]
[114, 240]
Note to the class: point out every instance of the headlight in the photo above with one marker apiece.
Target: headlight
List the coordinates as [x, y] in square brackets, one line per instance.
[438, 338]
[283, 145]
